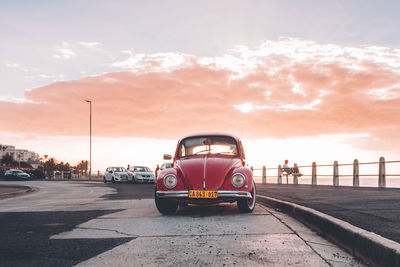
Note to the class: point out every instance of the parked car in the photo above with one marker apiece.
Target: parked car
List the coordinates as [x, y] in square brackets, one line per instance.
[36, 174]
[207, 169]
[115, 174]
[141, 174]
[164, 166]
[16, 175]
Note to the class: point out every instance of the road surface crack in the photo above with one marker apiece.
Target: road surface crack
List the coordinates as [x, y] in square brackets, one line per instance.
[109, 230]
[305, 241]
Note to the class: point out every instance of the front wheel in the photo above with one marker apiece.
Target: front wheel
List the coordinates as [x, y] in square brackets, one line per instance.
[247, 205]
[113, 180]
[105, 181]
[165, 206]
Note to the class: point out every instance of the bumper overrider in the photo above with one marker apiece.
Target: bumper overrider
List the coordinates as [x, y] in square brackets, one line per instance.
[221, 194]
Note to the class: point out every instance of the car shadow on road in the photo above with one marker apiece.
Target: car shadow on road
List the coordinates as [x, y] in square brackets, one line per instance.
[25, 238]
[222, 209]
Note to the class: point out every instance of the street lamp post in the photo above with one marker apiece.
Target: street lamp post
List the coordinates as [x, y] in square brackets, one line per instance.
[90, 160]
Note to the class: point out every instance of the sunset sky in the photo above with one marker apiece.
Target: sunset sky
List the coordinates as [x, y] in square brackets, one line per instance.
[303, 80]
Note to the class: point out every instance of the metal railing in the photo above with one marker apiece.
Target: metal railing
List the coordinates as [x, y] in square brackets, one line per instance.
[68, 175]
[335, 172]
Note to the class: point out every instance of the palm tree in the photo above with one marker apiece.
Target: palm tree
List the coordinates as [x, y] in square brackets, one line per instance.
[50, 165]
[7, 159]
[83, 165]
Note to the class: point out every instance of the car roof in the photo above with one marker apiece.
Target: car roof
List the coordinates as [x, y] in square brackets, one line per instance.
[211, 134]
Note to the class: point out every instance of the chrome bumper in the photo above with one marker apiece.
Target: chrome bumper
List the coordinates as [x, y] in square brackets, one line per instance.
[221, 194]
[144, 179]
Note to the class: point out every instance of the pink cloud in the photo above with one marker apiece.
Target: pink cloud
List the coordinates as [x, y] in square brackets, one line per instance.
[287, 97]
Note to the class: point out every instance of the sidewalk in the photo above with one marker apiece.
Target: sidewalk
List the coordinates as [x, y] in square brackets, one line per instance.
[373, 209]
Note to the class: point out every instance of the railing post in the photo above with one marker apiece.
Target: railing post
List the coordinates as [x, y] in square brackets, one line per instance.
[264, 175]
[356, 173]
[295, 176]
[314, 174]
[279, 174]
[382, 172]
[335, 173]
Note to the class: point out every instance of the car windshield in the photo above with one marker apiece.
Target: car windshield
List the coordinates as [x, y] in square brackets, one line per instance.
[215, 145]
[17, 172]
[139, 169]
[119, 169]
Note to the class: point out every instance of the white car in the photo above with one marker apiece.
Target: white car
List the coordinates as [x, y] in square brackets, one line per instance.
[164, 166]
[116, 174]
[141, 174]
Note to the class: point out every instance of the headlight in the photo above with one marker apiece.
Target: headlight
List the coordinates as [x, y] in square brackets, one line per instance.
[170, 181]
[238, 180]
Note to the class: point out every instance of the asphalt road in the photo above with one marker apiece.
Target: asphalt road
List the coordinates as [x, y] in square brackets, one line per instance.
[95, 224]
[373, 209]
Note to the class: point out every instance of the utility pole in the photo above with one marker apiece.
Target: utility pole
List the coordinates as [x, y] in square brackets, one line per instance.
[90, 159]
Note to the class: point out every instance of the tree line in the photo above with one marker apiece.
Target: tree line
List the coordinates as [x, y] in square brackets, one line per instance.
[48, 165]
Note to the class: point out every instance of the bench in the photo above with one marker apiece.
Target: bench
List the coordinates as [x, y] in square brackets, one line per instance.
[291, 171]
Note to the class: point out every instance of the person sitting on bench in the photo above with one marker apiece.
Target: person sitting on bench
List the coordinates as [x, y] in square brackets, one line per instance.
[296, 170]
[286, 167]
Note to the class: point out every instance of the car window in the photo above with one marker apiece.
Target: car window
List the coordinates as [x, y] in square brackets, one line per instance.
[139, 169]
[216, 145]
[119, 169]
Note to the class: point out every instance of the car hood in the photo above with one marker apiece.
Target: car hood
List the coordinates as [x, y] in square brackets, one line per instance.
[210, 170]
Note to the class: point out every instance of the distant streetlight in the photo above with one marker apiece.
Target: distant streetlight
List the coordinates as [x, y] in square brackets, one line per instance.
[90, 160]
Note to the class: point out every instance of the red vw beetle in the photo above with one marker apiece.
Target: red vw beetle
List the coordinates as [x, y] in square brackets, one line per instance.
[207, 169]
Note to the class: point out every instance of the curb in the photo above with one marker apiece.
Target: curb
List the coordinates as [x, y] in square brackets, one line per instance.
[16, 193]
[364, 244]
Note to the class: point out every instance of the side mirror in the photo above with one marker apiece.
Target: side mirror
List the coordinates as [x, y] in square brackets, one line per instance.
[167, 157]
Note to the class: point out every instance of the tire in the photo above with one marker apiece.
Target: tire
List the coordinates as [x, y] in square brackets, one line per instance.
[247, 205]
[105, 181]
[165, 206]
[113, 180]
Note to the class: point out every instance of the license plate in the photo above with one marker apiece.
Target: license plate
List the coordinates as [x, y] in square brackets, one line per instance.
[203, 194]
